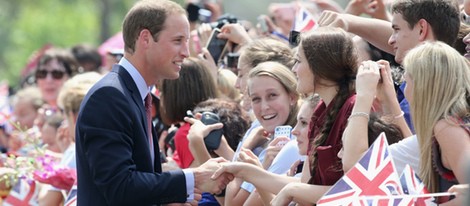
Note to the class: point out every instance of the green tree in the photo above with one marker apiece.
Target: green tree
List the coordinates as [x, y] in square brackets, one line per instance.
[27, 25]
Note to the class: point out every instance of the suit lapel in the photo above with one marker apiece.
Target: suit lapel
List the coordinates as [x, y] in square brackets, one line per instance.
[134, 92]
[131, 86]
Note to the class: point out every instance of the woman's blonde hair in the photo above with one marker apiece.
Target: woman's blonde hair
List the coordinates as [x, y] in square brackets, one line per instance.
[441, 90]
[286, 78]
[74, 90]
[226, 80]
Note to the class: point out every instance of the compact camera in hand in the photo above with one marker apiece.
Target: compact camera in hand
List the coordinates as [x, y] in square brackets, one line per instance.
[212, 140]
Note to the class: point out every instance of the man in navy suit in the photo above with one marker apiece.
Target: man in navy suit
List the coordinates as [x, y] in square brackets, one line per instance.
[117, 158]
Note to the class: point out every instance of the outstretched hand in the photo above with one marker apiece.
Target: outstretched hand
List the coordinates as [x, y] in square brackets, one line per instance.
[247, 156]
[204, 180]
[234, 168]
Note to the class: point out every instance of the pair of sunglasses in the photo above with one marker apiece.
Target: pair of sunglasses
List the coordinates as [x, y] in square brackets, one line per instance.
[56, 74]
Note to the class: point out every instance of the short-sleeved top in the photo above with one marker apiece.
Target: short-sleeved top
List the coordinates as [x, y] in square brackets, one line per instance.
[183, 156]
[329, 169]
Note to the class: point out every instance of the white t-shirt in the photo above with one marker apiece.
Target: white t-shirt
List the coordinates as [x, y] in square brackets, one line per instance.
[281, 163]
[406, 152]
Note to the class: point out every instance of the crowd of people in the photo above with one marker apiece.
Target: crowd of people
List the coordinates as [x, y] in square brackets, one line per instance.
[132, 130]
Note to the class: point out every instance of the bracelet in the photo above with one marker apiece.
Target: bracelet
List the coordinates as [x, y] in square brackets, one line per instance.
[391, 118]
[402, 113]
[359, 114]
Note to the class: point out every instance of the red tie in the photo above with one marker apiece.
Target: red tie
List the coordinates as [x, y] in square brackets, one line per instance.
[148, 111]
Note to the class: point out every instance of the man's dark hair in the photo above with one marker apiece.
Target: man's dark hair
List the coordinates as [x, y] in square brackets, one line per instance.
[442, 15]
[149, 15]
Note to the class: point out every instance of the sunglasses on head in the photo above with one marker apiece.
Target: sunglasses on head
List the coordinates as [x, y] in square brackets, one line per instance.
[56, 74]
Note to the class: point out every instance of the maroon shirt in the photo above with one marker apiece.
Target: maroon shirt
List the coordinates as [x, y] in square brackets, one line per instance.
[329, 169]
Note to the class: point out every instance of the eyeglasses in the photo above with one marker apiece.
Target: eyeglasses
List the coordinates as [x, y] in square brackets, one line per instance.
[56, 74]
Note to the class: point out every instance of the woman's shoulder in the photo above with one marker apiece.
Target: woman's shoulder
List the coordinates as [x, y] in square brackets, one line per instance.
[452, 125]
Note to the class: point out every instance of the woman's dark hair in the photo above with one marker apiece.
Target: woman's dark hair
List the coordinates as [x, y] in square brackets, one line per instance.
[331, 55]
[194, 85]
[64, 57]
[377, 126]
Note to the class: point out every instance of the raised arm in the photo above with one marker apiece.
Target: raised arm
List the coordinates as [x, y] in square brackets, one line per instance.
[375, 31]
[355, 136]
[386, 95]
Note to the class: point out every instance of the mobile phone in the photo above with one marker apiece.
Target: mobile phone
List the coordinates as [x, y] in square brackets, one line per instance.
[294, 38]
[232, 59]
[300, 166]
[212, 140]
[283, 131]
[216, 46]
[263, 26]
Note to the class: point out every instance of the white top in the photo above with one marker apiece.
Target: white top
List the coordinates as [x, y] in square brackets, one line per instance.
[406, 152]
[281, 164]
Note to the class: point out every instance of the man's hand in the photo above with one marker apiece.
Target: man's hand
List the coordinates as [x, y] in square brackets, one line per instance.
[235, 33]
[237, 169]
[333, 19]
[203, 174]
[375, 9]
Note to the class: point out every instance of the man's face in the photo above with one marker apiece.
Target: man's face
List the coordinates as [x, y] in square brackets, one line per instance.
[165, 56]
[403, 38]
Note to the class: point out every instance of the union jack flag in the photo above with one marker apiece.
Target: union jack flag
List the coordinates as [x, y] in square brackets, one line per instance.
[24, 193]
[304, 20]
[412, 185]
[373, 175]
[72, 197]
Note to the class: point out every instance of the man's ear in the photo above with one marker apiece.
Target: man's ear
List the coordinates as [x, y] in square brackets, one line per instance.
[144, 38]
[425, 30]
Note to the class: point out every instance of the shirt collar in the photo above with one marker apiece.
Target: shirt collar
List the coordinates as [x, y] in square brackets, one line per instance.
[137, 77]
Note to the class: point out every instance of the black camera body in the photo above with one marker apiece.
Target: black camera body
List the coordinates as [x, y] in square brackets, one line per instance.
[232, 60]
[224, 19]
[212, 140]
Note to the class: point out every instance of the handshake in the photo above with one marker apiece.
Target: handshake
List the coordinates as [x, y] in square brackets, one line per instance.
[214, 175]
[208, 178]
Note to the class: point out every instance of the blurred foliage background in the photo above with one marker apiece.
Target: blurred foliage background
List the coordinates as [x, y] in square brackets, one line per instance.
[28, 25]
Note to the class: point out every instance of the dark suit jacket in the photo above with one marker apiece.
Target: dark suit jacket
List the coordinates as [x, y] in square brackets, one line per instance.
[113, 158]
